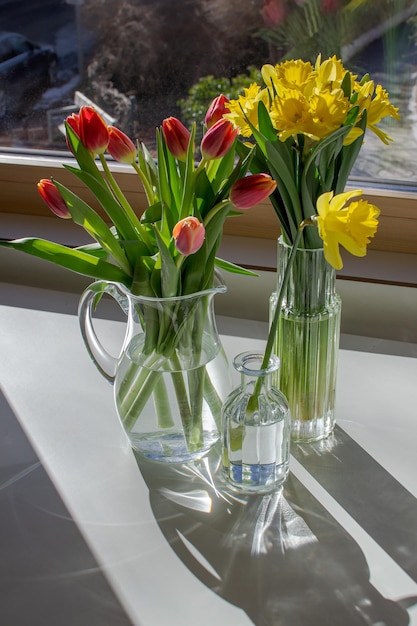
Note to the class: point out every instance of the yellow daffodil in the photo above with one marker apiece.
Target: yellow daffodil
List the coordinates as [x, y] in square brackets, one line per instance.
[244, 110]
[316, 117]
[291, 114]
[363, 93]
[376, 102]
[329, 73]
[350, 226]
[329, 110]
[296, 74]
[380, 107]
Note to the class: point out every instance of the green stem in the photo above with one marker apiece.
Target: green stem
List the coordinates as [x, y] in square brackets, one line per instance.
[162, 405]
[213, 399]
[150, 195]
[125, 205]
[139, 383]
[218, 207]
[183, 405]
[196, 386]
[144, 392]
[253, 400]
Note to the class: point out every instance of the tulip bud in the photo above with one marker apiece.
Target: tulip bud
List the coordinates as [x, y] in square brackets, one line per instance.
[121, 147]
[250, 190]
[218, 140]
[52, 197]
[189, 235]
[73, 122]
[216, 110]
[94, 133]
[177, 137]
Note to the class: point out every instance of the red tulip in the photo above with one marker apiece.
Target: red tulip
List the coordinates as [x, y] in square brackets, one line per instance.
[93, 130]
[177, 137]
[216, 110]
[189, 235]
[121, 147]
[330, 6]
[73, 122]
[250, 190]
[218, 140]
[52, 197]
[274, 12]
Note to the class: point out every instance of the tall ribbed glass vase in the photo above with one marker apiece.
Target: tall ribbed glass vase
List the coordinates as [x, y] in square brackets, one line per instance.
[307, 341]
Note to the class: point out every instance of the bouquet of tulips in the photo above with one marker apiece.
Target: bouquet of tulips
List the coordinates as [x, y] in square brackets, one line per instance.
[158, 253]
[166, 254]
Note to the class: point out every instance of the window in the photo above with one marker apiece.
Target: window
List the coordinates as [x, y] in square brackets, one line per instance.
[139, 66]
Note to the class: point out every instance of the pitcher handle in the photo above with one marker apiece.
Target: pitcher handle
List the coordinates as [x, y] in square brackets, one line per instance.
[102, 359]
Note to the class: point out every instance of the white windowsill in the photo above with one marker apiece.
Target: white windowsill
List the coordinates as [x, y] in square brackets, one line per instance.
[379, 291]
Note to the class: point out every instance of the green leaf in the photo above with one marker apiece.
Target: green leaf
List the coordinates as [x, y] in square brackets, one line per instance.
[195, 270]
[286, 187]
[306, 191]
[348, 157]
[149, 170]
[188, 181]
[73, 259]
[347, 85]
[265, 124]
[152, 214]
[83, 215]
[141, 282]
[327, 164]
[155, 281]
[204, 192]
[174, 169]
[352, 116]
[169, 271]
[233, 268]
[239, 171]
[110, 205]
[94, 249]
[163, 177]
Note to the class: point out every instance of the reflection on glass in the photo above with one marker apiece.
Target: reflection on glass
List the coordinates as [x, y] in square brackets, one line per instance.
[146, 62]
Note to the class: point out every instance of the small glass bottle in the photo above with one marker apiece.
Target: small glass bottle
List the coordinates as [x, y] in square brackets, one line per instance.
[256, 428]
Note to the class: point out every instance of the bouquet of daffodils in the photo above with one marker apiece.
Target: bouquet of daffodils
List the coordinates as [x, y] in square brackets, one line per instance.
[308, 124]
[305, 127]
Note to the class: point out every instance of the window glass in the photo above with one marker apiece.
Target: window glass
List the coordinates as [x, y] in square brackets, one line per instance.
[143, 60]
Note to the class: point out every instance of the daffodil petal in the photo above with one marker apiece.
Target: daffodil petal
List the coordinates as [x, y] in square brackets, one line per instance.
[354, 134]
[352, 247]
[332, 253]
[339, 201]
[384, 137]
[323, 203]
